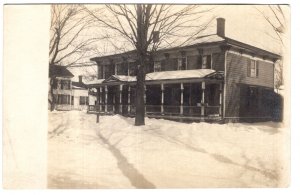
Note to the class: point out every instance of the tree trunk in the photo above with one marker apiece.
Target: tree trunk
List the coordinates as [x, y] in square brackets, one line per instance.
[140, 91]
[51, 98]
[141, 46]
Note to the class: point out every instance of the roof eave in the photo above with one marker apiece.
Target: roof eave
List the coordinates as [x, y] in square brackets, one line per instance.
[95, 59]
[235, 43]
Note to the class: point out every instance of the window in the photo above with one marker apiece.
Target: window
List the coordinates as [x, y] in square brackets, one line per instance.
[206, 62]
[82, 100]
[103, 72]
[118, 69]
[252, 70]
[65, 84]
[131, 69]
[55, 84]
[63, 99]
[157, 66]
[182, 63]
[108, 70]
[121, 68]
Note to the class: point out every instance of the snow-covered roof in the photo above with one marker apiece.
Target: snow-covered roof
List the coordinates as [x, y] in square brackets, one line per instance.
[93, 82]
[179, 74]
[165, 75]
[124, 78]
[206, 39]
[78, 85]
[75, 87]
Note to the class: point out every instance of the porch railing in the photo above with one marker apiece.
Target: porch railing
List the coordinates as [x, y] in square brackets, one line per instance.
[194, 111]
[212, 111]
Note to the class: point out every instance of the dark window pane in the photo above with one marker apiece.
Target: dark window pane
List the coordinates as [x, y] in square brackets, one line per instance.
[82, 100]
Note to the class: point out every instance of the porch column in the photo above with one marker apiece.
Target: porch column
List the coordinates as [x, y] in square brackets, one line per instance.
[203, 99]
[128, 99]
[70, 101]
[120, 100]
[114, 102]
[181, 98]
[145, 98]
[106, 98]
[220, 99]
[162, 98]
[99, 98]
[70, 87]
[99, 95]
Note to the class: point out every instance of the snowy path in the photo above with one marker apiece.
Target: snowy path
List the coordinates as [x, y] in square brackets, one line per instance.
[162, 154]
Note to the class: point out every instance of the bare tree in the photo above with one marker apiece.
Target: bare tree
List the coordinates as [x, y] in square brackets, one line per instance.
[68, 24]
[142, 24]
[67, 44]
[275, 16]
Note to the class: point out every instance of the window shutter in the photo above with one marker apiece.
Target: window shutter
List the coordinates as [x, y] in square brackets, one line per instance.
[100, 72]
[103, 72]
[257, 68]
[208, 65]
[199, 66]
[126, 66]
[187, 67]
[163, 64]
[248, 67]
[179, 64]
[112, 70]
[175, 64]
[186, 63]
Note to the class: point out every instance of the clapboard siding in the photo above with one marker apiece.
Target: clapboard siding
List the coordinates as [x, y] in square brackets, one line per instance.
[237, 69]
[218, 61]
[236, 74]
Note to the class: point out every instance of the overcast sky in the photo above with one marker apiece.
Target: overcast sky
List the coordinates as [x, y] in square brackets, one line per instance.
[243, 23]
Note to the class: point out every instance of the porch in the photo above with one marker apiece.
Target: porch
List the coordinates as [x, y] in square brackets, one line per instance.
[178, 99]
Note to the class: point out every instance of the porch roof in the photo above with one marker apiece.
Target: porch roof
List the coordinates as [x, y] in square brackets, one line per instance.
[160, 76]
[179, 74]
[94, 82]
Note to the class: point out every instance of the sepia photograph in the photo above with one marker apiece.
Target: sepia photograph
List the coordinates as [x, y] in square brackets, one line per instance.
[162, 96]
[159, 96]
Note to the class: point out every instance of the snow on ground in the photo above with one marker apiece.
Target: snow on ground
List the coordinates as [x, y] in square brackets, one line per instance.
[162, 154]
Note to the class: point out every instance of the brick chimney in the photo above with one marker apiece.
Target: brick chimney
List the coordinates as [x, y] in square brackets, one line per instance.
[221, 27]
[80, 79]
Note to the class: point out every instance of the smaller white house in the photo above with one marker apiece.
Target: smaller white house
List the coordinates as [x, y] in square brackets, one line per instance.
[80, 96]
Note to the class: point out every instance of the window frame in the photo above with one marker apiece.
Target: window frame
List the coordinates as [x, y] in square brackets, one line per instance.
[252, 68]
[63, 99]
[118, 68]
[157, 66]
[82, 100]
[206, 59]
[132, 68]
[180, 63]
